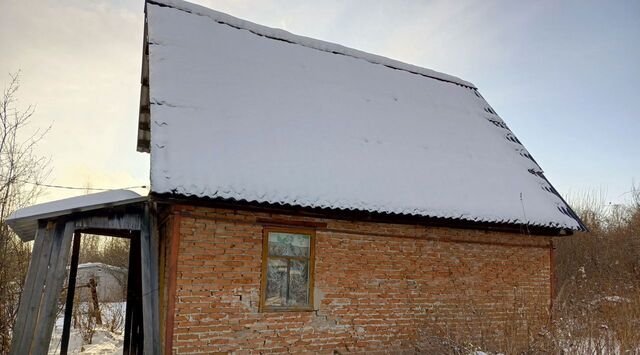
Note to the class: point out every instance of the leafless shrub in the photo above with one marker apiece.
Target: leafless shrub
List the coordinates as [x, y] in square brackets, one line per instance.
[107, 250]
[114, 316]
[21, 170]
[83, 316]
[597, 304]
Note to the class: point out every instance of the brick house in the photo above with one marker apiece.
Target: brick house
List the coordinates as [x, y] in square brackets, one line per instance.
[325, 199]
[311, 197]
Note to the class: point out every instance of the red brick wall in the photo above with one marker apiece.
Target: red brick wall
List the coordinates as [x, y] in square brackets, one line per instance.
[377, 287]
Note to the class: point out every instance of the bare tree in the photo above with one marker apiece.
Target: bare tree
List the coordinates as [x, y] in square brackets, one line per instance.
[21, 172]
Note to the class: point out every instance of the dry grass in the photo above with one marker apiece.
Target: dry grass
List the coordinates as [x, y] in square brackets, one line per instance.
[597, 306]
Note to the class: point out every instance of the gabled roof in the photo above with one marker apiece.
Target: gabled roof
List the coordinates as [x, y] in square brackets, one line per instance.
[235, 110]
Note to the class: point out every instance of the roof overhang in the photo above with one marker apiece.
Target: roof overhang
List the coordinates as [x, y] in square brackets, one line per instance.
[24, 222]
[144, 118]
[361, 215]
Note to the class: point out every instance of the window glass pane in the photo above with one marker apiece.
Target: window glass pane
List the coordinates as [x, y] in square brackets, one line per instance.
[298, 283]
[276, 283]
[287, 244]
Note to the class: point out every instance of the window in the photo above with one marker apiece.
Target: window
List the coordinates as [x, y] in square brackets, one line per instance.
[287, 270]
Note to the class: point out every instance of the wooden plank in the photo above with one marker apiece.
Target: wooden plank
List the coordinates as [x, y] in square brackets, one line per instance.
[149, 266]
[137, 334]
[281, 222]
[155, 283]
[71, 289]
[552, 278]
[33, 302]
[145, 273]
[127, 221]
[27, 293]
[53, 286]
[162, 285]
[174, 247]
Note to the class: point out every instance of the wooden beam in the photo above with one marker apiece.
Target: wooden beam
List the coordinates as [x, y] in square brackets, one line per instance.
[117, 233]
[71, 289]
[127, 221]
[56, 274]
[30, 301]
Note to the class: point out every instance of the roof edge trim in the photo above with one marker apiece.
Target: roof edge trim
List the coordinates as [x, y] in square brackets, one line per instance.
[514, 226]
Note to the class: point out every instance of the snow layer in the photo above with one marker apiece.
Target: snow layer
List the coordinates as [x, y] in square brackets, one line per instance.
[104, 341]
[73, 203]
[245, 112]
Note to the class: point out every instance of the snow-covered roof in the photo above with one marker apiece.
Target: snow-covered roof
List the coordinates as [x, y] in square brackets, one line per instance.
[24, 221]
[96, 265]
[234, 110]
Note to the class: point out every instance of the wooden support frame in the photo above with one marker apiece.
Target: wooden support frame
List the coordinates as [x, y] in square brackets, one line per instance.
[47, 272]
[56, 275]
[33, 282]
[45, 279]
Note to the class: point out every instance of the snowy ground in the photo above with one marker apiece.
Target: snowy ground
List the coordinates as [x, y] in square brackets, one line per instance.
[103, 342]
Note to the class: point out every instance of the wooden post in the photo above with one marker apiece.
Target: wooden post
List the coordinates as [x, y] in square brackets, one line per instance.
[552, 277]
[71, 289]
[126, 347]
[149, 272]
[55, 281]
[133, 336]
[154, 251]
[174, 247]
[45, 278]
[31, 296]
[25, 298]
[94, 298]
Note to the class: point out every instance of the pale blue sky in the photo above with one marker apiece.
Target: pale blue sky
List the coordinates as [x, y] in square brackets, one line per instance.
[562, 74]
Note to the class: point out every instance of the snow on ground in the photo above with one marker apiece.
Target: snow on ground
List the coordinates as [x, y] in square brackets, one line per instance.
[104, 341]
[610, 299]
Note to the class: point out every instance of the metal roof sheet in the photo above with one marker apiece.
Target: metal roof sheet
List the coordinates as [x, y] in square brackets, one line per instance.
[24, 222]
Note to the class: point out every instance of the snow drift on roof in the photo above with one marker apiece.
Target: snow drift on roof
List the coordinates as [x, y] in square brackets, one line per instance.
[245, 112]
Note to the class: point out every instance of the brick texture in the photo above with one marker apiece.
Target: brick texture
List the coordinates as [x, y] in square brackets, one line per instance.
[378, 287]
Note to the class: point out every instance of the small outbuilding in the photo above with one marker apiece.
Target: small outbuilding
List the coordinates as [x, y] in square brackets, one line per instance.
[110, 281]
[311, 197]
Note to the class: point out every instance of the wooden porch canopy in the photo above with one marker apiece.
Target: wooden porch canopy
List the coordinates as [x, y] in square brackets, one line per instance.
[53, 227]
